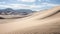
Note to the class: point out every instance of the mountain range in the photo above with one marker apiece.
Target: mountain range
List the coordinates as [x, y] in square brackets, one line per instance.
[10, 11]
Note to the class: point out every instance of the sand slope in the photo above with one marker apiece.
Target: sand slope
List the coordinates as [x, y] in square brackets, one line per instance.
[43, 22]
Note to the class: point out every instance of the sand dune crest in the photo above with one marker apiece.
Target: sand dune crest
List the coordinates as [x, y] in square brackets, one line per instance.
[50, 23]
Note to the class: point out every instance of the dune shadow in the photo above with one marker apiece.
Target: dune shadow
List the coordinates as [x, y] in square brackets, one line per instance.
[51, 14]
[2, 18]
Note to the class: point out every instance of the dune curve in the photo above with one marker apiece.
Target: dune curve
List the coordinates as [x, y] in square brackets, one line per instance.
[50, 23]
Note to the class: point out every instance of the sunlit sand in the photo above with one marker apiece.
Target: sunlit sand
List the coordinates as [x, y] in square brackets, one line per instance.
[43, 22]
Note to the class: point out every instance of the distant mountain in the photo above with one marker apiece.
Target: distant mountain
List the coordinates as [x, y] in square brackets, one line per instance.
[9, 11]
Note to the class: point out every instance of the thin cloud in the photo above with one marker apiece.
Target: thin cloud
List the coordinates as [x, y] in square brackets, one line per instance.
[32, 7]
[27, 0]
[50, 4]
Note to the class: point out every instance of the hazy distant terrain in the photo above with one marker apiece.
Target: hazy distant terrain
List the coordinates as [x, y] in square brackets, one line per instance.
[41, 22]
[18, 13]
[10, 11]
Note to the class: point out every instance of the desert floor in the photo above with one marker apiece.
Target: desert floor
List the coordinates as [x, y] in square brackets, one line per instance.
[45, 22]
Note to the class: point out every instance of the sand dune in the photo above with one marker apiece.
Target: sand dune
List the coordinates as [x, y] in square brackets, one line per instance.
[43, 22]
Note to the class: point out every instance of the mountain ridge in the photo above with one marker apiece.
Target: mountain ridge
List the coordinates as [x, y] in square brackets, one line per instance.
[10, 11]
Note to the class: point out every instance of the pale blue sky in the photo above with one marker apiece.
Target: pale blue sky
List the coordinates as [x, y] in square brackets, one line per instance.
[29, 4]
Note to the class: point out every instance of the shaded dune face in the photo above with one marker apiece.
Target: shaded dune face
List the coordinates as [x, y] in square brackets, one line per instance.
[46, 13]
[43, 22]
[2, 18]
[51, 14]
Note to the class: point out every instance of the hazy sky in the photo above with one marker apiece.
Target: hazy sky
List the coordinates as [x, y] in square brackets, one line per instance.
[29, 4]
